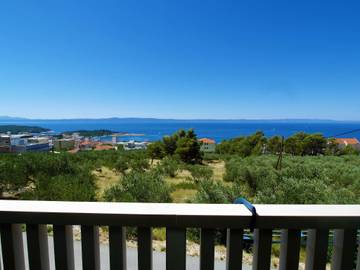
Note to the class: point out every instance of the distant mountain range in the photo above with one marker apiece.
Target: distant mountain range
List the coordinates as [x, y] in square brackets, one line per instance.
[142, 120]
[10, 118]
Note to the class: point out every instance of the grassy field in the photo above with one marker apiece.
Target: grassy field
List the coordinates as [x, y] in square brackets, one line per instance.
[182, 195]
[106, 178]
[218, 167]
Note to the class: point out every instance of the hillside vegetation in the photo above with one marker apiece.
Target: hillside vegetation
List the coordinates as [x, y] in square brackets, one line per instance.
[130, 176]
[183, 175]
[16, 129]
[91, 133]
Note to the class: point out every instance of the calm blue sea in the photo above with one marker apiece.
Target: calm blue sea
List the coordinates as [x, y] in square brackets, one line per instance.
[218, 130]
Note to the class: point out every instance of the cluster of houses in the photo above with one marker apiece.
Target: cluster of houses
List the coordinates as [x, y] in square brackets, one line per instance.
[74, 143]
[20, 143]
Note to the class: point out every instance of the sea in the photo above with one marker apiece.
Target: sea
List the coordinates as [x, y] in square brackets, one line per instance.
[219, 130]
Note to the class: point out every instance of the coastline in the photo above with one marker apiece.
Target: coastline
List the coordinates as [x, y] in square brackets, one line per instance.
[127, 134]
[218, 131]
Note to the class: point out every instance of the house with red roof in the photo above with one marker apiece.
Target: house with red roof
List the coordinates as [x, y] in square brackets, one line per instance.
[104, 147]
[87, 145]
[207, 145]
[344, 142]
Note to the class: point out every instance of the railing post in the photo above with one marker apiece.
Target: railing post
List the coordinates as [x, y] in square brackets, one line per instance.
[344, 250]
[175, 249]
[234, 249]
[38, 248]
[316, 249]
[117, 245]
[90, 247]
[12, 247]
[262, 249]
[207, 249]
[63, 247]
[290, 249]
[145, 261]
[358, 259]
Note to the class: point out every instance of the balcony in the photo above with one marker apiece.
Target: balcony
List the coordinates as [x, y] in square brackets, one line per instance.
[319, 221]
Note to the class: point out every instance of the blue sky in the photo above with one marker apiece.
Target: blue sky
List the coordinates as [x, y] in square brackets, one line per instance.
[180, 59]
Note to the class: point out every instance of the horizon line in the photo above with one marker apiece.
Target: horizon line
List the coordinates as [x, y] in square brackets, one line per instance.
[18, 118]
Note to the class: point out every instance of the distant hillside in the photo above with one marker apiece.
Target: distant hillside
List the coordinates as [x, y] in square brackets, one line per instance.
[92, 133]
[15, 129]
[10, 118]
[20, 120]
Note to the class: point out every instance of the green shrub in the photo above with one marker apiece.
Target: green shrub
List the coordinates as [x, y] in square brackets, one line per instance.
[169, 166]
[71, 187]
[185, 185]
[155, 150]
[211, 156]
[136, 160]
[140, 164]
[199, 172]
[232, 170]
[318, 179]
[122, 164]
[140, 187]
[211, 191]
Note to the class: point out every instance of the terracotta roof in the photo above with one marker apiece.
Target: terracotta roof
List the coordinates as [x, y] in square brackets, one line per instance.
[347, 141]
[89, 143]
[86, 143]
[104, 147]
[206, 140]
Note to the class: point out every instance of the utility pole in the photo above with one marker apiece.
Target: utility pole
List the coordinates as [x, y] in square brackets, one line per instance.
[279, 161]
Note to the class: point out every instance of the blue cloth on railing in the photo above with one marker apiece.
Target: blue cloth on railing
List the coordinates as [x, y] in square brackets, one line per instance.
[251, 208]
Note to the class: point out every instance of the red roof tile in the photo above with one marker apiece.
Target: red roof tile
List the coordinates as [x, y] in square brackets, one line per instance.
[104, 147]
[206, 140]
[347, 141]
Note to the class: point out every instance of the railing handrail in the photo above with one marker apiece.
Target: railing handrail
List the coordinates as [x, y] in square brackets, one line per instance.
[180, 215]
[318, 220]
[130, 214]
[320, 210]
[332, 216]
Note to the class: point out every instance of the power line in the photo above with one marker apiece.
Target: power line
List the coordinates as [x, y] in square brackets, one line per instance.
[280, 158]
[345, 133]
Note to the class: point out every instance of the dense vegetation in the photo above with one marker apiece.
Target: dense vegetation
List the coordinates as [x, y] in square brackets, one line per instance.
[300, 144]
[15, 129]
[47, 176]
[309, 179]
[91, 133]
[313, 171]
[302, 180]
[182, 145]
[140, 187]
[176, 163]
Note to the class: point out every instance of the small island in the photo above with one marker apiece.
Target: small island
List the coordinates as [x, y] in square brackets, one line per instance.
[91, 133]
[16, 129]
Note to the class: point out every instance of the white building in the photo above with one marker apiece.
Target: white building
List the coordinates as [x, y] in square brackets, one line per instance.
[207, 145]
[5, 144]
[20, 143]
[133, 145]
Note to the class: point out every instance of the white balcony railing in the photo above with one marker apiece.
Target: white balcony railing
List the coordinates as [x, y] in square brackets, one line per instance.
[342, 220]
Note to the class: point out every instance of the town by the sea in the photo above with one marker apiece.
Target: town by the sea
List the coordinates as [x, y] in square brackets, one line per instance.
[154, 129]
